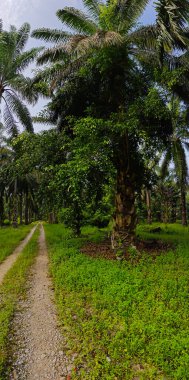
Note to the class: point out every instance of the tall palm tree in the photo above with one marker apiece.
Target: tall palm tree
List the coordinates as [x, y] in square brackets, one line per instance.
[14, 86]
[110, 28]
[176, 151]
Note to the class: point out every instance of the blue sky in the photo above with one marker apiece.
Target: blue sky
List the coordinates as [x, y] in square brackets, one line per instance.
[42, 13]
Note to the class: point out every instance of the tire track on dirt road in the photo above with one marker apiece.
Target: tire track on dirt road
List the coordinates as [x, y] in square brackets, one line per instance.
[10, 260]
[38, 346]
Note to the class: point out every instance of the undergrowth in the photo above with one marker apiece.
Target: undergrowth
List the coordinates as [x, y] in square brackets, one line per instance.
[10, 238]
[12, 288]
[122, 320]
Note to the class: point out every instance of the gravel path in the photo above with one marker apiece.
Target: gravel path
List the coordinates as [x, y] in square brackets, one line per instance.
[37, 345]
[7, 264]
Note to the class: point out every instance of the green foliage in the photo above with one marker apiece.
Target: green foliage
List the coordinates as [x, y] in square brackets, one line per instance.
[121, 320]
[6, 222]
[10, 238]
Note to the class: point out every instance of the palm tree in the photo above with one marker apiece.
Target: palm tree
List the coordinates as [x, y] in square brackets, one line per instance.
[14, 86]
[176, 151]
[110, 28]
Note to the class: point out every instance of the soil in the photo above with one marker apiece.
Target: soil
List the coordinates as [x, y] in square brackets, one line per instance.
[151, 247]
[7, 264]
[38, 348]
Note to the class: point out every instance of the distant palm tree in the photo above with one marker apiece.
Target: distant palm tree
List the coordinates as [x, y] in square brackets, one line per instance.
[14, 86]
[176, 151]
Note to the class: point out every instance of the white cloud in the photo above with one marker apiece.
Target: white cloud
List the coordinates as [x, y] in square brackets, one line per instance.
[36, 12]
[11, 11]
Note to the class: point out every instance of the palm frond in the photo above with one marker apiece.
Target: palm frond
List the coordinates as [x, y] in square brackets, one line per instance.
[100, 39]
[148, 57]
[10, 124]
[77, 20]
[24, 87]
[20, 110]
[42, 120]
[172, 17]
[48, 73]
[166, 162]
[93, 7]
[179, 158]
[129, 12]
[56, 53]
[22, 37]
[1, 25]
[183, 60]
[144, 37]
[51, 35]
[23, 60]
[57, 73]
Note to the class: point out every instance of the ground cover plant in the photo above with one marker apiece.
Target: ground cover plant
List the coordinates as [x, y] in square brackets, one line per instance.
[10, 238]
[11, 290]
[123, 320]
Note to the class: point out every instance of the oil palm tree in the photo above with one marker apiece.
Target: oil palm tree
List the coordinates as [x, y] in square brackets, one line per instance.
[176, 151]
[14, 86]
[107, 32]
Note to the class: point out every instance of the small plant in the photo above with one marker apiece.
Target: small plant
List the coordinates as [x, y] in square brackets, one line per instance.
[6, 222]
[133, 253]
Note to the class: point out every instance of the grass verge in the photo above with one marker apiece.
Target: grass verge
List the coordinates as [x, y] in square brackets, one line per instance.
[11, 290]
[123, 321]
[10, 238]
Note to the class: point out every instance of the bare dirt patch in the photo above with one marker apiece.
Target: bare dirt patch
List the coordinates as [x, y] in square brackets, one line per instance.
[37, 344]
[7, 264]
[152, 248]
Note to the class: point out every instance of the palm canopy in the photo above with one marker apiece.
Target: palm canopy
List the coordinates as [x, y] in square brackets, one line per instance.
[114, 23]
[102, 25]
[14, 86]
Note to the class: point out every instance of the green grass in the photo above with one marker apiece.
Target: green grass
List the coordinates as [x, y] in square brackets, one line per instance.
[10, 238]
[11, 290]
[170, 232]
[123, 320]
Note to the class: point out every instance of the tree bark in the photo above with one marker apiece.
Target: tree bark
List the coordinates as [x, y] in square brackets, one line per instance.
[15, 206]
[26, 208]
[183, 206]
[1, 208]
[148, 206]
[125, 213]
[21, 208]
[127, 165]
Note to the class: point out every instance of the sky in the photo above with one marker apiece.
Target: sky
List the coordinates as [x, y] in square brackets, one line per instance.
[42, 13]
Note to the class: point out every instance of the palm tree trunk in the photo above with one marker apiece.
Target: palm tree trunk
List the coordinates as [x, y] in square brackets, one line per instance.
[1, 208]
[21, 208]
[10, 208]
[125, 214]
[26, 207]
[15, 206]
[148, 206]
[183, 206]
